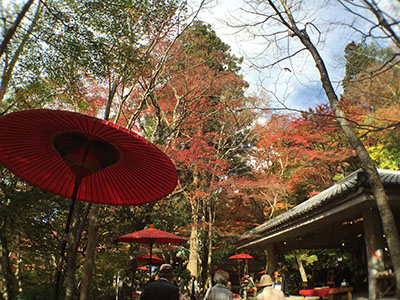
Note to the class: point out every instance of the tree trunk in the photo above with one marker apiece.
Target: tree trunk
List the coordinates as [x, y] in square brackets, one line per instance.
[192, 265]
[90, 251]
[76, 233]
[367, 164]
[210, 244]
[18, 268]
[94, 222]
[8, 282]
[10, 32]
[8, 70]
[302, 271]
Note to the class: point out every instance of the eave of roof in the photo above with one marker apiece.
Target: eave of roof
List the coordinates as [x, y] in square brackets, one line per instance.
[341, 188]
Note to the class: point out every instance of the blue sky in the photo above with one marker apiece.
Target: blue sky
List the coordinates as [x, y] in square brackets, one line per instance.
[300, 87]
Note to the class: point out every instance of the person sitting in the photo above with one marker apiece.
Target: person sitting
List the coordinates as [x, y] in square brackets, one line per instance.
[219, 291]
[266, 290]
[161, 289]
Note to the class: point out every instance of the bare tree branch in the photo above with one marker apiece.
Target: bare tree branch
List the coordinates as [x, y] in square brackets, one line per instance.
[13, 29]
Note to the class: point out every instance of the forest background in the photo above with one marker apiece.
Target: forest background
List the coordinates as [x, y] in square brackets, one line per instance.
[152, 67]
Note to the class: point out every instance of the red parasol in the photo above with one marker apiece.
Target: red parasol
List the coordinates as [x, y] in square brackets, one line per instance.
[239, 257]
[150, 236]
[148, 260]
[54, 149]
[142, 268]
[84, 158]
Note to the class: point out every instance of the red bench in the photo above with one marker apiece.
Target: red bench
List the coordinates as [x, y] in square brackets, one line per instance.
[327, 292]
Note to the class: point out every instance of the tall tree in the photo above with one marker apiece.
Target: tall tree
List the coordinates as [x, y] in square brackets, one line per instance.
[204, 96]
[280, 13]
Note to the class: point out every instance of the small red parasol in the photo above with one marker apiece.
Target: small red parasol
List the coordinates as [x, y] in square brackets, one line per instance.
[155, 260]
[83, 158]
[142, 268]
[239, 257]
[150, 236]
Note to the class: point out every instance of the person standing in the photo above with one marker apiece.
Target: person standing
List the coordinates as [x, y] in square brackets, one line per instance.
[267, 291]
[193, 287]
[244, 282]
[219, 291]
[163, 288]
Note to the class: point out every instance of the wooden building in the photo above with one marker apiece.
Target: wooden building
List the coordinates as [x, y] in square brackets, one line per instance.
[344, 215]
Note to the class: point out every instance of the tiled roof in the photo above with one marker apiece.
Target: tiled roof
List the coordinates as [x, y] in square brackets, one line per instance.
[341, 188]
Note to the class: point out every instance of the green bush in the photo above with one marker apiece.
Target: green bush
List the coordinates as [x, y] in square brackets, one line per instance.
[37, 292]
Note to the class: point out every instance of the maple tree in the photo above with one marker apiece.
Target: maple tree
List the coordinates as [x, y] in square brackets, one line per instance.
[293, 158]
[204, 96]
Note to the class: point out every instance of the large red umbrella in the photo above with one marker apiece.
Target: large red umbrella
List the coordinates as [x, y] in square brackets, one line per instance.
[84, 158]
[240, 257]
[151, 236]
[54, 150]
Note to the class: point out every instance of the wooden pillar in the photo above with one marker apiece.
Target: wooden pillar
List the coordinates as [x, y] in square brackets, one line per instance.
[373, 235]
[271, 259]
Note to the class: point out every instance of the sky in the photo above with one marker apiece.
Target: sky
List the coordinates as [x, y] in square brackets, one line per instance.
[296, 82]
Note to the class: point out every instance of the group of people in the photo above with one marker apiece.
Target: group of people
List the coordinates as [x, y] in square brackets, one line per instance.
[263, 290]
[164, 289]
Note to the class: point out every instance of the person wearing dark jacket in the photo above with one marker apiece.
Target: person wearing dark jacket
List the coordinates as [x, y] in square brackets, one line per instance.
[161, 289]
